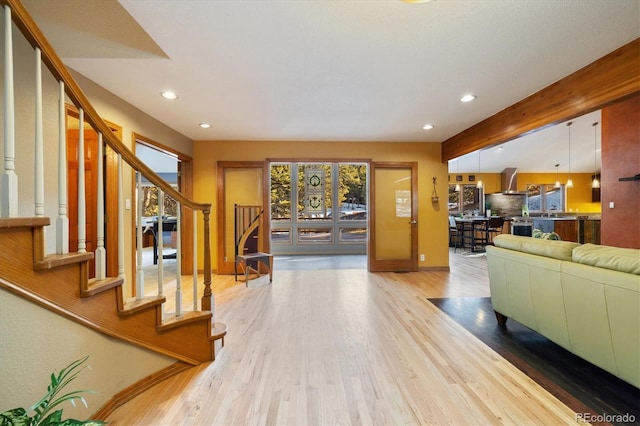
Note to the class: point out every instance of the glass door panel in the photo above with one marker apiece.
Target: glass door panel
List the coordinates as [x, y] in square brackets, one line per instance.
[331, 206]
[394, 230]
[315, 201]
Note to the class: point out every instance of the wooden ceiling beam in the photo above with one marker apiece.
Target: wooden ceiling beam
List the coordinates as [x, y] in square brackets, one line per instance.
[603, 82]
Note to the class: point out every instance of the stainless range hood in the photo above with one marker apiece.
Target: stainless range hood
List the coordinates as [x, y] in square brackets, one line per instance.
[508, 202]
[509, 182]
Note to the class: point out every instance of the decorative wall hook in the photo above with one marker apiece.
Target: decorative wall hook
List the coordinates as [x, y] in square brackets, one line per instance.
[434, 193]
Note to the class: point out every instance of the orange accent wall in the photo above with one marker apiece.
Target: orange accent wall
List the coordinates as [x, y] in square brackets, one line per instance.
[621, 158]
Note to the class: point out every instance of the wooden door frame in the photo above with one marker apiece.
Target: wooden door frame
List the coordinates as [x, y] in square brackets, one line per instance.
[185, 187]
[392, 264]
[111, 192]
[227, 267]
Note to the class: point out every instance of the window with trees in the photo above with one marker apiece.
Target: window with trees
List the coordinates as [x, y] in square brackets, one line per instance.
[323, 203]
[545, 197]
[150, 205]
[468, 200]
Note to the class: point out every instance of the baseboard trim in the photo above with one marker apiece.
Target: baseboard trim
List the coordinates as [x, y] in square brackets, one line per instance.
[138, 388]
[434, 268]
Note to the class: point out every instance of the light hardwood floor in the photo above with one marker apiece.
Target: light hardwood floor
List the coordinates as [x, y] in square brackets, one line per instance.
[348, 347]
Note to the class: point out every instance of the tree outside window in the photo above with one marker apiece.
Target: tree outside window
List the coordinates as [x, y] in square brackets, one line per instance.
[468, 200]
[545, 197]
[150, 203]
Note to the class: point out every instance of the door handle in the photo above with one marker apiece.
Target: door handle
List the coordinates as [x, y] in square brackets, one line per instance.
[413, 222]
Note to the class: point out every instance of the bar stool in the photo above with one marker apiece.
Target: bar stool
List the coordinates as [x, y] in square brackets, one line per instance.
[494, 227]
[454, 233]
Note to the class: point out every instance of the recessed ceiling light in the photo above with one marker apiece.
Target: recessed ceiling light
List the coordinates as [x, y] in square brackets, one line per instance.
[169, 95]
[467, 98]
[428, 127]
[205, 125]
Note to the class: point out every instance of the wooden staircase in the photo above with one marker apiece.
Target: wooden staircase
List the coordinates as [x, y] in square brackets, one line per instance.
[60, 283]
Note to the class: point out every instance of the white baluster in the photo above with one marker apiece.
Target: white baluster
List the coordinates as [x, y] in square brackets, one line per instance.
[62, 221]
[140, 271]
[39, 148]
[178, 263]
[100, 254]
[82, 202]
[121, 228]
[195, 260]
[160, 246]
[9, 179]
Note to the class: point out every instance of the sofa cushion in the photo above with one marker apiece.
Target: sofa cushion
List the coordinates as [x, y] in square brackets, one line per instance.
[615, 258]
[561, 250]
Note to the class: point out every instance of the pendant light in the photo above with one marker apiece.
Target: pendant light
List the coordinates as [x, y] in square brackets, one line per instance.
[569, 181]
[557, 184]
[479, 183]
[595, 183]
[457, 189]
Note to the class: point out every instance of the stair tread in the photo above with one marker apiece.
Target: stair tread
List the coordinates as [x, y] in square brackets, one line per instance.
[134, 306]
[14, 222]
[96, 286]
[51, 261]
[173, 321]
[218, 331]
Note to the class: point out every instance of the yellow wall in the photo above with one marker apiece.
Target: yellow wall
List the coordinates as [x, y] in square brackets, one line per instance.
[432, 218]
[578, 197]
[490, 181]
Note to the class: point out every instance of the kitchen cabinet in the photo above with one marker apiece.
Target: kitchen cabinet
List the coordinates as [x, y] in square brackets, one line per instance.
[579, 230]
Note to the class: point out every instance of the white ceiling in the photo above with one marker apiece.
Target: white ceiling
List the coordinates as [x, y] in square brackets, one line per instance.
[342, 70]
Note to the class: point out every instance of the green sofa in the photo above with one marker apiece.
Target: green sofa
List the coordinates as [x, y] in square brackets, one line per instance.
[584, 297]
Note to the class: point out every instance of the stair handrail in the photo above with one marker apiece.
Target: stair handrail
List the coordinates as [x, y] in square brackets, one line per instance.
[32, 33]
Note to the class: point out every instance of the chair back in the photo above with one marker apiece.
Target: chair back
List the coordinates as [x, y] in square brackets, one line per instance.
[452, 223]
[496, 222]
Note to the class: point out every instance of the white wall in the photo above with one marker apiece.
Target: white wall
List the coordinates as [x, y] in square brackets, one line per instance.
[37, 342]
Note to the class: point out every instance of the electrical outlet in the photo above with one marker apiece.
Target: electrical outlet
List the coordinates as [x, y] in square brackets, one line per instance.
[422, 258]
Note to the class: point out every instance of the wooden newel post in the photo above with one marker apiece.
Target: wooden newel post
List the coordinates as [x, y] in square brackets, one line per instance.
[207, 295]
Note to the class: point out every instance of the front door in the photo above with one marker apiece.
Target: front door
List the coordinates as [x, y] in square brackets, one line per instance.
[393, 245]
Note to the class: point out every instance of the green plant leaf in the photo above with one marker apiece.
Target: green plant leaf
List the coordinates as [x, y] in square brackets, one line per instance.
[74, 422]
[52, 419]
[52, 399]
[18, 416]
[15, 417]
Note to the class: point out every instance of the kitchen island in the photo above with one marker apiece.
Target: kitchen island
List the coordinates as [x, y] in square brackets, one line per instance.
[580, 229]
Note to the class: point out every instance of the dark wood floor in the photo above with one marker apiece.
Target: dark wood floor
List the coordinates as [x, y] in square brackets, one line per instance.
[584, 387]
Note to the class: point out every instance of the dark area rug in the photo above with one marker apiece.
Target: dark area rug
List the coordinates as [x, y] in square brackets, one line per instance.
[580, 385]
